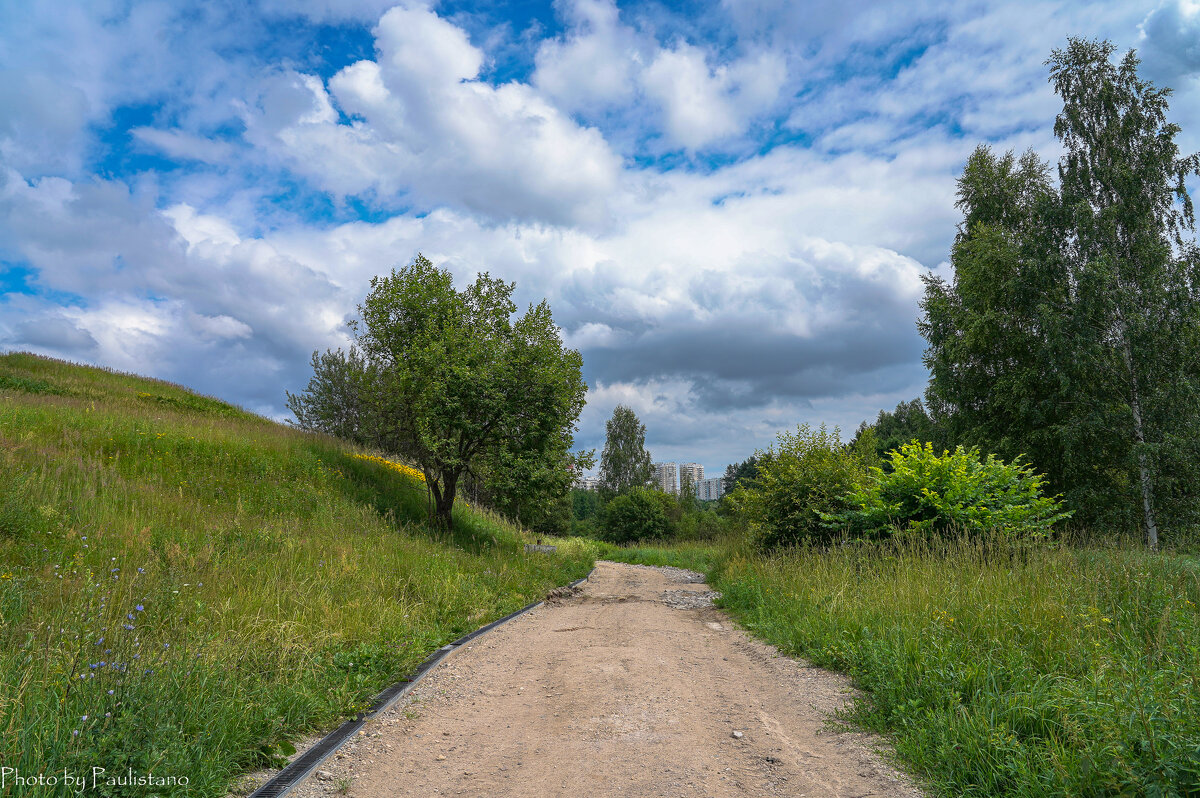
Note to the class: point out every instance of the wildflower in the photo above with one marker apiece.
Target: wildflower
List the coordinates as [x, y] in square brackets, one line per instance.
[75, 733]
[108, 714]
[110, 692]
[85, 717]
[166, 645]
[141, 570]
[128, 627]
[139, 607]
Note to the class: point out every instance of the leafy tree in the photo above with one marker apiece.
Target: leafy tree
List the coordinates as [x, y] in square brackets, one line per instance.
[1125, 212]
[624, 463]
[532, 487]
[929, 494]
[807, 474]
[737, 473]
[1059, 335]
[333, 401]
[585, 504]
[640, 513]
[908, 422]
[452, 381]
[995, 333]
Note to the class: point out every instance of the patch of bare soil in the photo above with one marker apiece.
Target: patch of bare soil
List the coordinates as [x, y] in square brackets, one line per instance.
[632, 686]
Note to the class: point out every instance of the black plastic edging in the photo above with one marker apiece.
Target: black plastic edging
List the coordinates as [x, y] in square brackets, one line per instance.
[306, 763]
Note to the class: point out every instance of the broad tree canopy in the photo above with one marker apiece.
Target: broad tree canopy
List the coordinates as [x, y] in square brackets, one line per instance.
[451, 380]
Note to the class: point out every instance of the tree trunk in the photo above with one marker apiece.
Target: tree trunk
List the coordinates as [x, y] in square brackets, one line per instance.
[1143, 471]
[443, 501]
[1139, 438]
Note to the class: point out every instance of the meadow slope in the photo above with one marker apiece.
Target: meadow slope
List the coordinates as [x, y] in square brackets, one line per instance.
[184, 586]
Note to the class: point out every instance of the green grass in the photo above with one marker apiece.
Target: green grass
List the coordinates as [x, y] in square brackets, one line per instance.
[282, 581]
[993, 669]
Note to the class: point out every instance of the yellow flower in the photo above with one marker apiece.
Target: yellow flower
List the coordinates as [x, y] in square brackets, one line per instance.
[399, 467]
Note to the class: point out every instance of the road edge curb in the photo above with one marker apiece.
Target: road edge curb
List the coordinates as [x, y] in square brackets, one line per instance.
[299, 769]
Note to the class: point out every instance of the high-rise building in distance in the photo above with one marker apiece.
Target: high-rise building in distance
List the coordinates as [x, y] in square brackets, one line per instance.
[709, 490]
[665, 478]
[691, 474]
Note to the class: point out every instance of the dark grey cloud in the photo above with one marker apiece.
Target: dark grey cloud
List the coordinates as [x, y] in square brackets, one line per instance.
[57, 334]
[736, 363]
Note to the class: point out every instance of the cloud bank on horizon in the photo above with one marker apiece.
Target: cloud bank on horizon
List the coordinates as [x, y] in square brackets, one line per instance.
[728, 204]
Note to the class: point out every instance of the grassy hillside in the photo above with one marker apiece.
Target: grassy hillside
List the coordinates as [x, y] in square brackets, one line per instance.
[184, 585]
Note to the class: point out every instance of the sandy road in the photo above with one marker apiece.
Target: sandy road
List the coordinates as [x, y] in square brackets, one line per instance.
[620, 690]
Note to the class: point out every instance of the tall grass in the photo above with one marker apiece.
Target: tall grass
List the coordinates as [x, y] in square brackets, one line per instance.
[999, 670]
[184, 586]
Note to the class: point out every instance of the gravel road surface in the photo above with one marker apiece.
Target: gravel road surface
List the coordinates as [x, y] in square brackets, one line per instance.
[633, 685]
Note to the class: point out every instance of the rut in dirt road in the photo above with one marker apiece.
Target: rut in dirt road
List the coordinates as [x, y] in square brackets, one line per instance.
[633, 686]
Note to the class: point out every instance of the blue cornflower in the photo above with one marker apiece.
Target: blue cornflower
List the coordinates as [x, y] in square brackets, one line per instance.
[128, 626]
[129, 615]
[139, 608]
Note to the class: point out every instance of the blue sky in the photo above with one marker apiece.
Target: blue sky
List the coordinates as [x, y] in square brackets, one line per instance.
[729, 204]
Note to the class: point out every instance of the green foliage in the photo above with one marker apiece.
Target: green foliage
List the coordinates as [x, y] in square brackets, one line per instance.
[925, 493]
[450, 380]
[806, 475]
[908, 422]
[268, 559]
[585, 504]
[624, 463]
[335, 400]
[738, 473]
[12, 382]
[1060, 332]
[702, 524]
[638, 514]
[998, 669]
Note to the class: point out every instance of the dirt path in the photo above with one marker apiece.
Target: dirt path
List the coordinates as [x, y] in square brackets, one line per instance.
[631, 688]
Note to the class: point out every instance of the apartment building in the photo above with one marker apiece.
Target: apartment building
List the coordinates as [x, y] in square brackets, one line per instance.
[691, 474]
[666, 478]
[709, 490]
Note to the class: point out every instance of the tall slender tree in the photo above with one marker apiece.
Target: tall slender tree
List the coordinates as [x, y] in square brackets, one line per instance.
[624, 463]
[1070, 331]
[1126, 211]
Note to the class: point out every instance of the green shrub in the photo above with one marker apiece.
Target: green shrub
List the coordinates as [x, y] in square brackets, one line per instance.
[640, 514]
[924, 493]
[805, 477]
